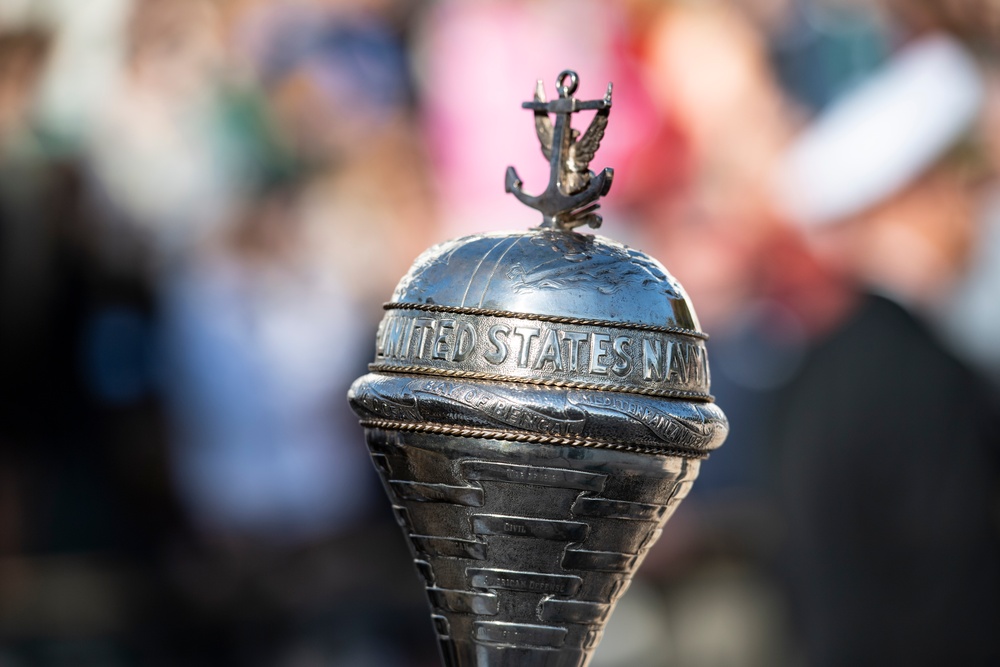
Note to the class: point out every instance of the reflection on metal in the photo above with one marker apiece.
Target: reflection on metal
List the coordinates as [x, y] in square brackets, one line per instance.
[537, 407]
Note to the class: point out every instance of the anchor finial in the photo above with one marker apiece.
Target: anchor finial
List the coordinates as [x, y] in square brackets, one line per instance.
[570, 200]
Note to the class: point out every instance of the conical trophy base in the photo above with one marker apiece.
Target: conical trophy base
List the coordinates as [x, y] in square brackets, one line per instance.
[524, 548]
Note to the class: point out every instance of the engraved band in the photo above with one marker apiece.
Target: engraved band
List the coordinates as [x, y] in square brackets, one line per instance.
[604, 356]
[599, 416]
[524, 437]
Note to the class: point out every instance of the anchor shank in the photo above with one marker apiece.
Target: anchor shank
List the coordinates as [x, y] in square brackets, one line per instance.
[560, 146]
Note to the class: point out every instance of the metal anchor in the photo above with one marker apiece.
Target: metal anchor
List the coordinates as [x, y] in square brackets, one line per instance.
[570, 200]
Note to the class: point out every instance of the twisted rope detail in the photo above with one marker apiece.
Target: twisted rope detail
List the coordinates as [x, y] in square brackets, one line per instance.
[559, 384]
[523, 437]
[554, 319]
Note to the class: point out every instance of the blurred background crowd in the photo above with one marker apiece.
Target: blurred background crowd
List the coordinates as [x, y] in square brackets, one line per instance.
[204, 203]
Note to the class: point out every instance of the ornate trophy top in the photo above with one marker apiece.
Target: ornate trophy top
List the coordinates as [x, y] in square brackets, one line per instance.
[570, 200]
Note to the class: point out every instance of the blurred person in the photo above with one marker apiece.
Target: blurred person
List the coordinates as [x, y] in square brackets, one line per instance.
[261, 340]
[84, 499]
[724, 208]
[821, 48]
[72, 332]
[265, 332]
[889, 447]
[277, 304]
[24, 244]
[24, 285]
[335, 75]
[25, 54]
[176, 144]
[339, 84]
[969, 319]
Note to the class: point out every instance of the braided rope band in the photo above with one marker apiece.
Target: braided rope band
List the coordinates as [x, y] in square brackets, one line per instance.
[554, 319]
[523, 437]
[542, 382]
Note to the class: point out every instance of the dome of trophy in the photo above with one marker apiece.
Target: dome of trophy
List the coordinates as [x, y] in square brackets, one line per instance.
[552, 273]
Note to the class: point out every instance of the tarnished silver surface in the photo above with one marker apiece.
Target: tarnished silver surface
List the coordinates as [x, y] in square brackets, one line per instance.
[538, 405]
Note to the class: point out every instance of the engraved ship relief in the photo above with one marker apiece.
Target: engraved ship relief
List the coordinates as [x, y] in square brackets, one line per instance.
[537, 407]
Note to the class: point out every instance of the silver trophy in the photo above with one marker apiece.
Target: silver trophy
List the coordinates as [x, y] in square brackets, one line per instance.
[537, 408]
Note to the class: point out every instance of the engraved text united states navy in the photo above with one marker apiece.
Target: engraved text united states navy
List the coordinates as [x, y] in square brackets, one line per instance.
[520, 347]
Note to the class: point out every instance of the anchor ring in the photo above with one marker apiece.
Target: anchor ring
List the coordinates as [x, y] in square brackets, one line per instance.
[574, 81]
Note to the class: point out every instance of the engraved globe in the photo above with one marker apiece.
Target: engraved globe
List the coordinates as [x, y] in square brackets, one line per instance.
[537, 407]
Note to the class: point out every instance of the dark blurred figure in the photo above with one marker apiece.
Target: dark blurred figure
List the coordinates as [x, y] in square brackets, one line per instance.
[74, 340]
[25, 243]
[84, 498]
[889, 447]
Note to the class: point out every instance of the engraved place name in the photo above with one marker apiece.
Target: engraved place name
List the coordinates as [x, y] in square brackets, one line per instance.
[543, 529]
[664, 426]
[467, 496]
[618, 509]
[562, 585]
[499, 408]
[389, 408]
[449, 547]
[518, 634]
[533, 475]
[525, 348]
